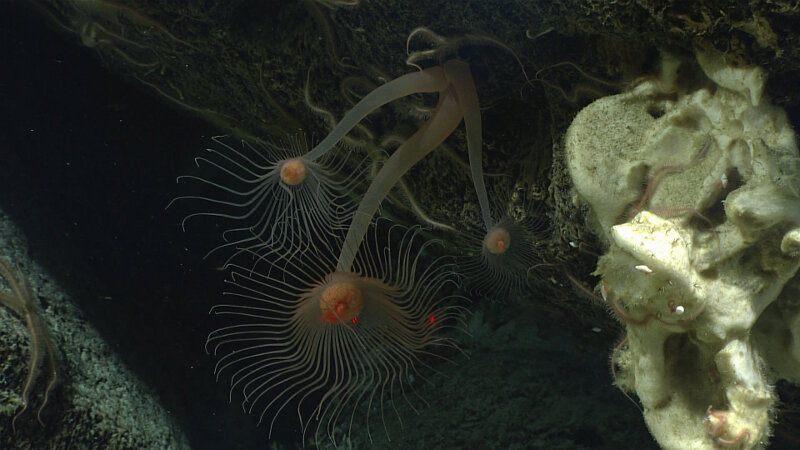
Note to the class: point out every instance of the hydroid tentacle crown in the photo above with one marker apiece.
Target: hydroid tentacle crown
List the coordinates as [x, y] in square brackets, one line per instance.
[325, 341]
[500, 261]
[272, 196]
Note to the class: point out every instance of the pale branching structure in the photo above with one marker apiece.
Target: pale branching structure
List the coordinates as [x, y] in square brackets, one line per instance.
[283, 198]
[323, 343]
[321, 325]
[273, 198]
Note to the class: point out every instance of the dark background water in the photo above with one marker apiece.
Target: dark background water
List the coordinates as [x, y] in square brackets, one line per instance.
[88, 163]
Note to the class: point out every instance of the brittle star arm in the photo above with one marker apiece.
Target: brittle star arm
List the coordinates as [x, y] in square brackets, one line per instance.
[22, 301]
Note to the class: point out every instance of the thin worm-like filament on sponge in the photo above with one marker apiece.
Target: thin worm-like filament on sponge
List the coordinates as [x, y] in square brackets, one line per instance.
[658, 175]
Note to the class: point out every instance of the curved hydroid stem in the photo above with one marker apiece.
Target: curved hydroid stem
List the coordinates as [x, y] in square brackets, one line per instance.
[428, 80]
[444, 120]
[458, 74]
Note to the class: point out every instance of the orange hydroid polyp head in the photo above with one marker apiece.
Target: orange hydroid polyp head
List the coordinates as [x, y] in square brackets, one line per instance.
[293, 171]
[497, 240]
[340, 302]
[500, 263]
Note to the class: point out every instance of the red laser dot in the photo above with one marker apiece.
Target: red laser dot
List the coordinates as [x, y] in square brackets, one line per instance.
[355, 320]
[433, 319]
